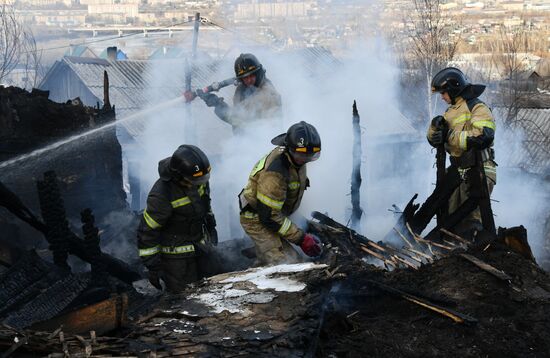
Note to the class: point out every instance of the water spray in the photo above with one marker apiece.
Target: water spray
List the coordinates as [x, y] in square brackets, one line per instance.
[61, 142]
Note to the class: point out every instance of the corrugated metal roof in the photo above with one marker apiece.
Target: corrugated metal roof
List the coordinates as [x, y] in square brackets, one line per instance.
[526, 143]
[131, 82]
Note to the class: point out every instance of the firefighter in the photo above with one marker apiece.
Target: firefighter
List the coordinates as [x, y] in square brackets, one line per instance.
[466, 126]
[274, 191]
[178, 225]
[255, 98]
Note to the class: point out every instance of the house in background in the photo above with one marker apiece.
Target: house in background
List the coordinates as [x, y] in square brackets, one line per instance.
[113, 54]
[133, 87]
[80, 51]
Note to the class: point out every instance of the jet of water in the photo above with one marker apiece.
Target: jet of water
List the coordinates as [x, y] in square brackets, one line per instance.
[64, 141]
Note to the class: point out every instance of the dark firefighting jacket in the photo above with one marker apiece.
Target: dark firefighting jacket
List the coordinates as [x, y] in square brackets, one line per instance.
[175, 220]
[279, 185]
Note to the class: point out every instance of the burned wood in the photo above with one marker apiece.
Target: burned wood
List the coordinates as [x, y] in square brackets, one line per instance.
[372, 253]
[452, 314]
[356, 211]
[405, 262]
[403, 237]
[455, 236]
[18, 343]
[487, 268]
[385, 252]
[389, 250]
[102, 317]
[106, 99]
[75, 245]
[91, 242]
[427, 257]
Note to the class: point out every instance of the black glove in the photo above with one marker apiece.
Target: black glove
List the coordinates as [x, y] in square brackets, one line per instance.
[482, 141]
[438, 122]
[210, 99]
[154, 277]
[438, 137]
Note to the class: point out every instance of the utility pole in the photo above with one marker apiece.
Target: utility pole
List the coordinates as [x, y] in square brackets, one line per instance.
[190, 126]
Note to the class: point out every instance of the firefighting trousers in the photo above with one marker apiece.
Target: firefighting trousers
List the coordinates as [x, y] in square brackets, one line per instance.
[461, 194]
[270, 248]
[178, 272]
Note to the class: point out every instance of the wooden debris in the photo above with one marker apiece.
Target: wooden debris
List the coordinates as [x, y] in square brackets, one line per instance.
[403, 237]
[405, 262]
[452, 314]
[102, 317]
[455, 236]
[488, 268]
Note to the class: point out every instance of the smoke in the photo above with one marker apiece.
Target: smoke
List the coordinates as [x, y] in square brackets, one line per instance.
[321, 93]
[397, 160]
[520, 198]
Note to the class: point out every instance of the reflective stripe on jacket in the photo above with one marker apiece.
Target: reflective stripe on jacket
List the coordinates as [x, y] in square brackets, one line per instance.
[278, 184]
[463, 123]
[173, 219]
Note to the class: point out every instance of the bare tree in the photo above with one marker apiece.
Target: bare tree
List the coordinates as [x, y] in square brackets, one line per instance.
[31, 59]
[430, 45]
[18, 48]
[10, 40]
[509, 52]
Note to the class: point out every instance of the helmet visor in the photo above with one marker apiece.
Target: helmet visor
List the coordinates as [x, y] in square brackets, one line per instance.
[198, 179]
[304, 157]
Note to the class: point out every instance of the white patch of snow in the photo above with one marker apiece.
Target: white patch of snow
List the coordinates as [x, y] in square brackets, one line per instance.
[261, 276]
[235, 293]
[220, 300]
[163, 322]
[182, 331]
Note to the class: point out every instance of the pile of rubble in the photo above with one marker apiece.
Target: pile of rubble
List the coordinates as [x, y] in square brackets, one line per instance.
[470, 300]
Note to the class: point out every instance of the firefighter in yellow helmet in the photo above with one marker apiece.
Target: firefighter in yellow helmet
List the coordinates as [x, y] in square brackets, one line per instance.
[178, 225]
[274, 191]
[255, 98]
[467, 124]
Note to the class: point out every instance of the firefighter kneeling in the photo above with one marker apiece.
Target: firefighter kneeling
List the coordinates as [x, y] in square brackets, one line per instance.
[178, 225]
[274, 191]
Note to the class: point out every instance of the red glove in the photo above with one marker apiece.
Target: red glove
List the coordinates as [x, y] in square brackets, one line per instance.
[311, 245]
[189, 96]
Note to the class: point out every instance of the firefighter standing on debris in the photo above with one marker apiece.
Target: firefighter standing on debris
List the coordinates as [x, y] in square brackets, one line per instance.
[178, 225]
[274, 191]
[255, 98]
[466, 126]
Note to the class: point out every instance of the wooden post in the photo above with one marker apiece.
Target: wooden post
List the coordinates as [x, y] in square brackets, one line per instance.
[356, 180]
[106, 101]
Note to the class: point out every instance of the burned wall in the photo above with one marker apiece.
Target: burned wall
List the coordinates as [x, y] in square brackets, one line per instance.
[89, 167]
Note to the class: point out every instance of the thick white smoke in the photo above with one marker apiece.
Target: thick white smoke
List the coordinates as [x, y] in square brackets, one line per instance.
[398, 161]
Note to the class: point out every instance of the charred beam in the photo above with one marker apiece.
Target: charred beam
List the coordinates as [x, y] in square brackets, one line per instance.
[76, 246]
[91, 242]
[53, 212]
[452, 314]
[356, 210]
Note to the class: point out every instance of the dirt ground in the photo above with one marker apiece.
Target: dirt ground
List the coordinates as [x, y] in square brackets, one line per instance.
[513, 318]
